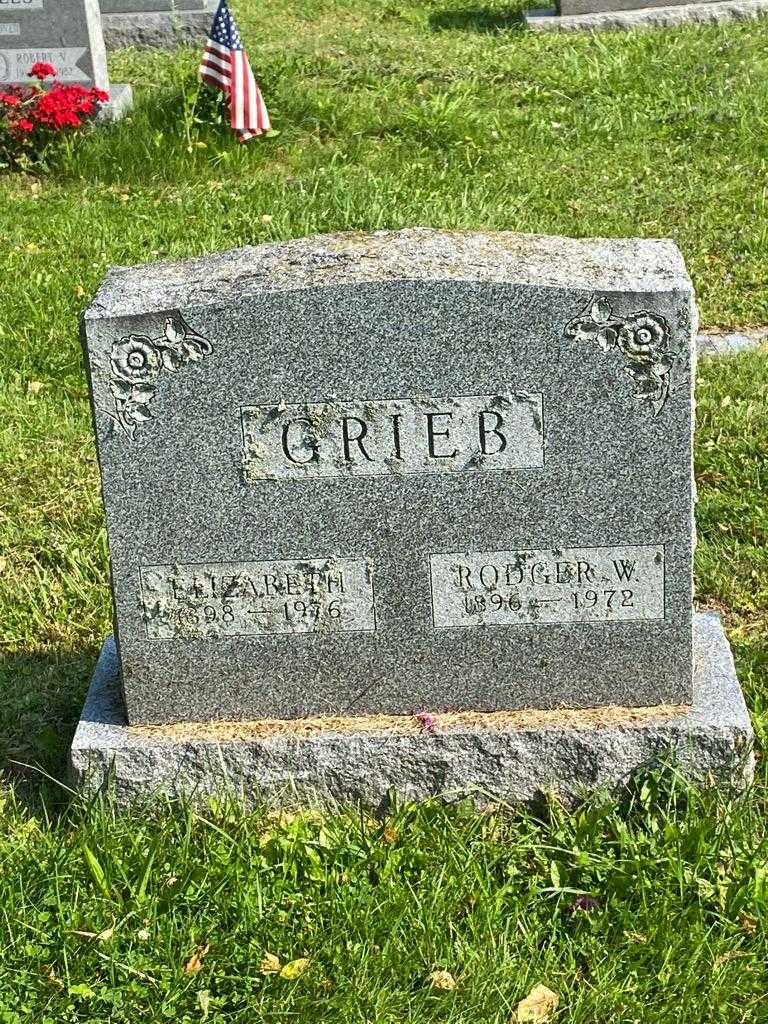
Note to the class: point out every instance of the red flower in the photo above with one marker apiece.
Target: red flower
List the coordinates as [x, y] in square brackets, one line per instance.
[9, 100]
[25, 125]
[42, 71]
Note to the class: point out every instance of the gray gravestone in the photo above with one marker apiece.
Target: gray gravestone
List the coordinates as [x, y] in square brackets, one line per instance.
[156, 23]
[606, 15]
[376, 474]
[149, 6]
[570, 7]
[65, 33]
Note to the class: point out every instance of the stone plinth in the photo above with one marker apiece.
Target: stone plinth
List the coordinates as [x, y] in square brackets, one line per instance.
[515, 757]
[650, 16]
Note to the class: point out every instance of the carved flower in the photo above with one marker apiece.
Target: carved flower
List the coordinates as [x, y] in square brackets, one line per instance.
[135, 360]
[641, 337]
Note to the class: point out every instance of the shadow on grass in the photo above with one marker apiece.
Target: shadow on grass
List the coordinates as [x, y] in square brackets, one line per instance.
[41, 697]
[476, 19]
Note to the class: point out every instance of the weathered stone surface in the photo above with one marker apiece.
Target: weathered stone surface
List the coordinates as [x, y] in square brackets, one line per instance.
[730, 344]
[156, 31]
[161, 24]
[706, 13]
[576, 7]
[154, 6]
[364, 474]
[65, 33]
[511, 757]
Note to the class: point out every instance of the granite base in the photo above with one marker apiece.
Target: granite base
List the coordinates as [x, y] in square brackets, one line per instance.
[163, 30]
[546, 20]
[514, 756]
[120, 102]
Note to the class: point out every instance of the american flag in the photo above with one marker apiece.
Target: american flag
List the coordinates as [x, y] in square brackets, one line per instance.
[225, 66]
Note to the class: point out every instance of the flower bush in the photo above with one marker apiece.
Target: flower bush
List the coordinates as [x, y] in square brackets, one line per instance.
[31, 117]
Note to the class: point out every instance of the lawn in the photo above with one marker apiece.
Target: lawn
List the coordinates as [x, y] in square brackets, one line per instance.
[388, 114]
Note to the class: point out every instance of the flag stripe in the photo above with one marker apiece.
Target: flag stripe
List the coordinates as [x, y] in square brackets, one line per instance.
[225, 66]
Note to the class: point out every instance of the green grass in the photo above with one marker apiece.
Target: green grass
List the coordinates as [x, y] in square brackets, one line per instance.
[388, 114]
[102, 913]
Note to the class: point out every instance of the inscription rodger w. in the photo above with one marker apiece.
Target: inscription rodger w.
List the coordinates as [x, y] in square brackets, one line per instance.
[400, 436]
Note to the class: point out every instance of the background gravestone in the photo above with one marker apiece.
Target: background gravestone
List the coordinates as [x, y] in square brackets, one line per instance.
[156, 23]
[604, 15]
[374, 474]
[65, 33]
[568, 7]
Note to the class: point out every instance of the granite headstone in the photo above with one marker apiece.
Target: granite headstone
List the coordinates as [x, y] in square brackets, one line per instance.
[610, 15]
[373, 474]
[64, 33]
[156, 23]
[569, 7]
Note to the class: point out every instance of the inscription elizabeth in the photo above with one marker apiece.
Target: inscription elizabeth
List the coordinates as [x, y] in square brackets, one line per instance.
[206, 600]
[501, 431]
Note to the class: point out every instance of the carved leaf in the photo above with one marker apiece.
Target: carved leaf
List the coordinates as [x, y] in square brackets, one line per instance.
[136, 414]
[142, 393]
[601, 311]
[606, 338]
[120, 389]
[172, 360]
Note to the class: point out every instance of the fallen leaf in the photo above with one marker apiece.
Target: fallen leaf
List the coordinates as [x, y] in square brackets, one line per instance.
[52, 976]
[270, 964]
[79, 291]
[106, 935]
[294, 969]
[748, 924]
[537, 1007]
[195, 962]
[34, 387]
[266, 218]
[389, 836]
[443, 981]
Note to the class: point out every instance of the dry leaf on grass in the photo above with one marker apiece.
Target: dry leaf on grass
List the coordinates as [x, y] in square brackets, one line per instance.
[103, 936]
[747, 923]
[294, 969]
[34, 387]
[195, 962]
[443, 981]
[537, 1007]
[270, 964]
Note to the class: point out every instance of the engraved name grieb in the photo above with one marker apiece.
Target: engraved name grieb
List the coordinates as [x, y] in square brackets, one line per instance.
[508, 588]
[221, 599]
[501, 431]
